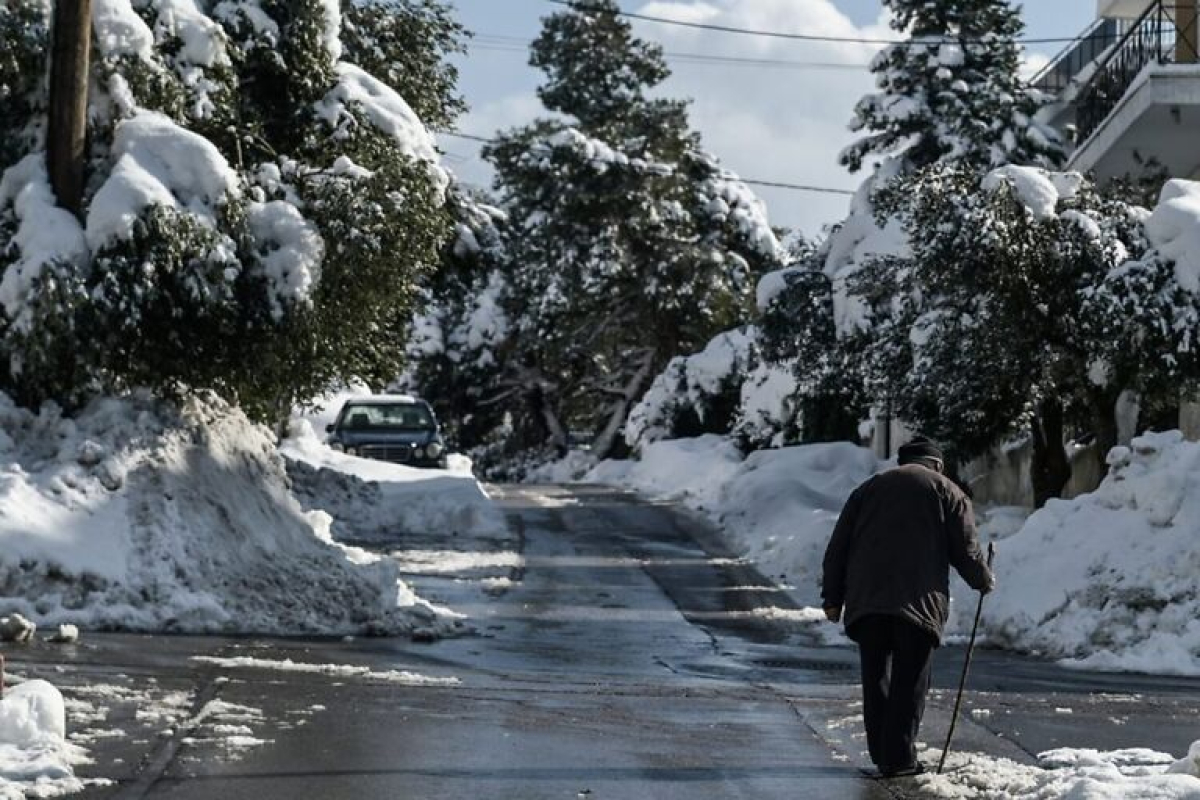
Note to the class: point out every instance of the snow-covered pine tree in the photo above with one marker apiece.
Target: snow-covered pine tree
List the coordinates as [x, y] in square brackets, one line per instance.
[259, 208]
[458, 346]
[628, 243]
[951, 92]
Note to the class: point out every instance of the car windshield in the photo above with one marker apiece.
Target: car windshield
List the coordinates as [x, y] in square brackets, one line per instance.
[387, 417]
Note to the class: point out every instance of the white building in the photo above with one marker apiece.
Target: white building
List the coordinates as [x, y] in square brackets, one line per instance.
[1130, 90]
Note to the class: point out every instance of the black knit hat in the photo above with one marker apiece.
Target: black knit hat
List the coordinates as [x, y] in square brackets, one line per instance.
[919, 449]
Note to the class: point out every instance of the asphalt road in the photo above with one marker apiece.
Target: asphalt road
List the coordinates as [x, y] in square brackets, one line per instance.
[617, 660]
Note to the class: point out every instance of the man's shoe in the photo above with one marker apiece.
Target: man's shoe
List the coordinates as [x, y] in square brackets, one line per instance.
[916, 768]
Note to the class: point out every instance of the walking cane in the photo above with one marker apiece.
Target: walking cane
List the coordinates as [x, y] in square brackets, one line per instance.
[962, 684]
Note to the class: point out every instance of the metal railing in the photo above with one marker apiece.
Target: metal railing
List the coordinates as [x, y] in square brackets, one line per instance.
[1154, 38]
[1056, 76]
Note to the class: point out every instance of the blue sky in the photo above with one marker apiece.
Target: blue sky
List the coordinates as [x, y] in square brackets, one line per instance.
[773, 124]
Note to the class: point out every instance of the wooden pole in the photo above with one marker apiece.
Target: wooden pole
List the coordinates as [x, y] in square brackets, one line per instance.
[66, 135]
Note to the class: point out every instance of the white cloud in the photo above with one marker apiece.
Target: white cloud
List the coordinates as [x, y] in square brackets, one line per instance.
[486, 120]
[781, 124]
[769, 123]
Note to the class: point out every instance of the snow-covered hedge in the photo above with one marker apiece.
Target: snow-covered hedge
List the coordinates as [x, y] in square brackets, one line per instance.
[139, 515]
[259, 208]
[729, 387]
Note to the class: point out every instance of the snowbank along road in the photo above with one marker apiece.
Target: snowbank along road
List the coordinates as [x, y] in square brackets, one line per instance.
[621, 653]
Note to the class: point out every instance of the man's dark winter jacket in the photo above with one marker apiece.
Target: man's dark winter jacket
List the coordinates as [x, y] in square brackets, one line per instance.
[893, 546]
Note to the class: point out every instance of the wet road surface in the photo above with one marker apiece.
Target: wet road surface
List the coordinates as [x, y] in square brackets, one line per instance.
[616, 658]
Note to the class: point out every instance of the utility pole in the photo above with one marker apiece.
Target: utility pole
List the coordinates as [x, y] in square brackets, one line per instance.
[66, 136]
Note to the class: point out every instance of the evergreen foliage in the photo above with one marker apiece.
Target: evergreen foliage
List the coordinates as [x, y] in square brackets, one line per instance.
[460, 339]
[1004, 318]
[952, 92]
[260, 211]
[627, 242]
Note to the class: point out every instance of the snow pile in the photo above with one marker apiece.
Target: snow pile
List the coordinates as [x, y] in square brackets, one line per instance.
[776, 507]
[1111, 579]
[1064, 773]
[378, 501]
[35, 758]
[1174, 229]
[139, 515]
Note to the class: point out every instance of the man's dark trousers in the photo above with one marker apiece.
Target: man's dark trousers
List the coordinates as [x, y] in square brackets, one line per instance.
[896, 660]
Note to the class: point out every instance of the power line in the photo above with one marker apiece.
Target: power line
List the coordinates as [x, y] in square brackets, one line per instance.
[467, 136]
[502, 44]
[798, 187]
[804, 37]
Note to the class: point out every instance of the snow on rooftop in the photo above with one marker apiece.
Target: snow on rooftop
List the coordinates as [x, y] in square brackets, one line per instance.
[382, 399]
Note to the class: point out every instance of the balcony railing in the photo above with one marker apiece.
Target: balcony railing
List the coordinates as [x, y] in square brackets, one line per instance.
[1154, 38]
[1056, 76]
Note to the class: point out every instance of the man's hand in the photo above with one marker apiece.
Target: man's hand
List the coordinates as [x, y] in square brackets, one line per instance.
[833, 613]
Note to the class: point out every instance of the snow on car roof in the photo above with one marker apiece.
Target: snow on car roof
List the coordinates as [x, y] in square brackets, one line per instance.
[383, 398]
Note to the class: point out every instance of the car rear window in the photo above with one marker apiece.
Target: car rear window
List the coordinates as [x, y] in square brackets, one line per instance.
[386, 416]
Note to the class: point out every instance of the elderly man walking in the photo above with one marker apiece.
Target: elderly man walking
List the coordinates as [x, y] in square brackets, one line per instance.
[887, 573]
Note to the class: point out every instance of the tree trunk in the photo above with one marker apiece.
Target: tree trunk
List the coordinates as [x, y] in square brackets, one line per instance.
[1104, 424]
[558, 434]
[1051, 469]
[66, 134]
[603, 446]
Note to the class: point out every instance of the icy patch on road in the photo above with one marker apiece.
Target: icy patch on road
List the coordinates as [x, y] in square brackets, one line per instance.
[1064, 773]
[226, 726]
[402, 677]
[452, 561]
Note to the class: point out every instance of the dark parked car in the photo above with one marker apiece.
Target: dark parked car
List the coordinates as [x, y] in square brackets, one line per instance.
[396, 428]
